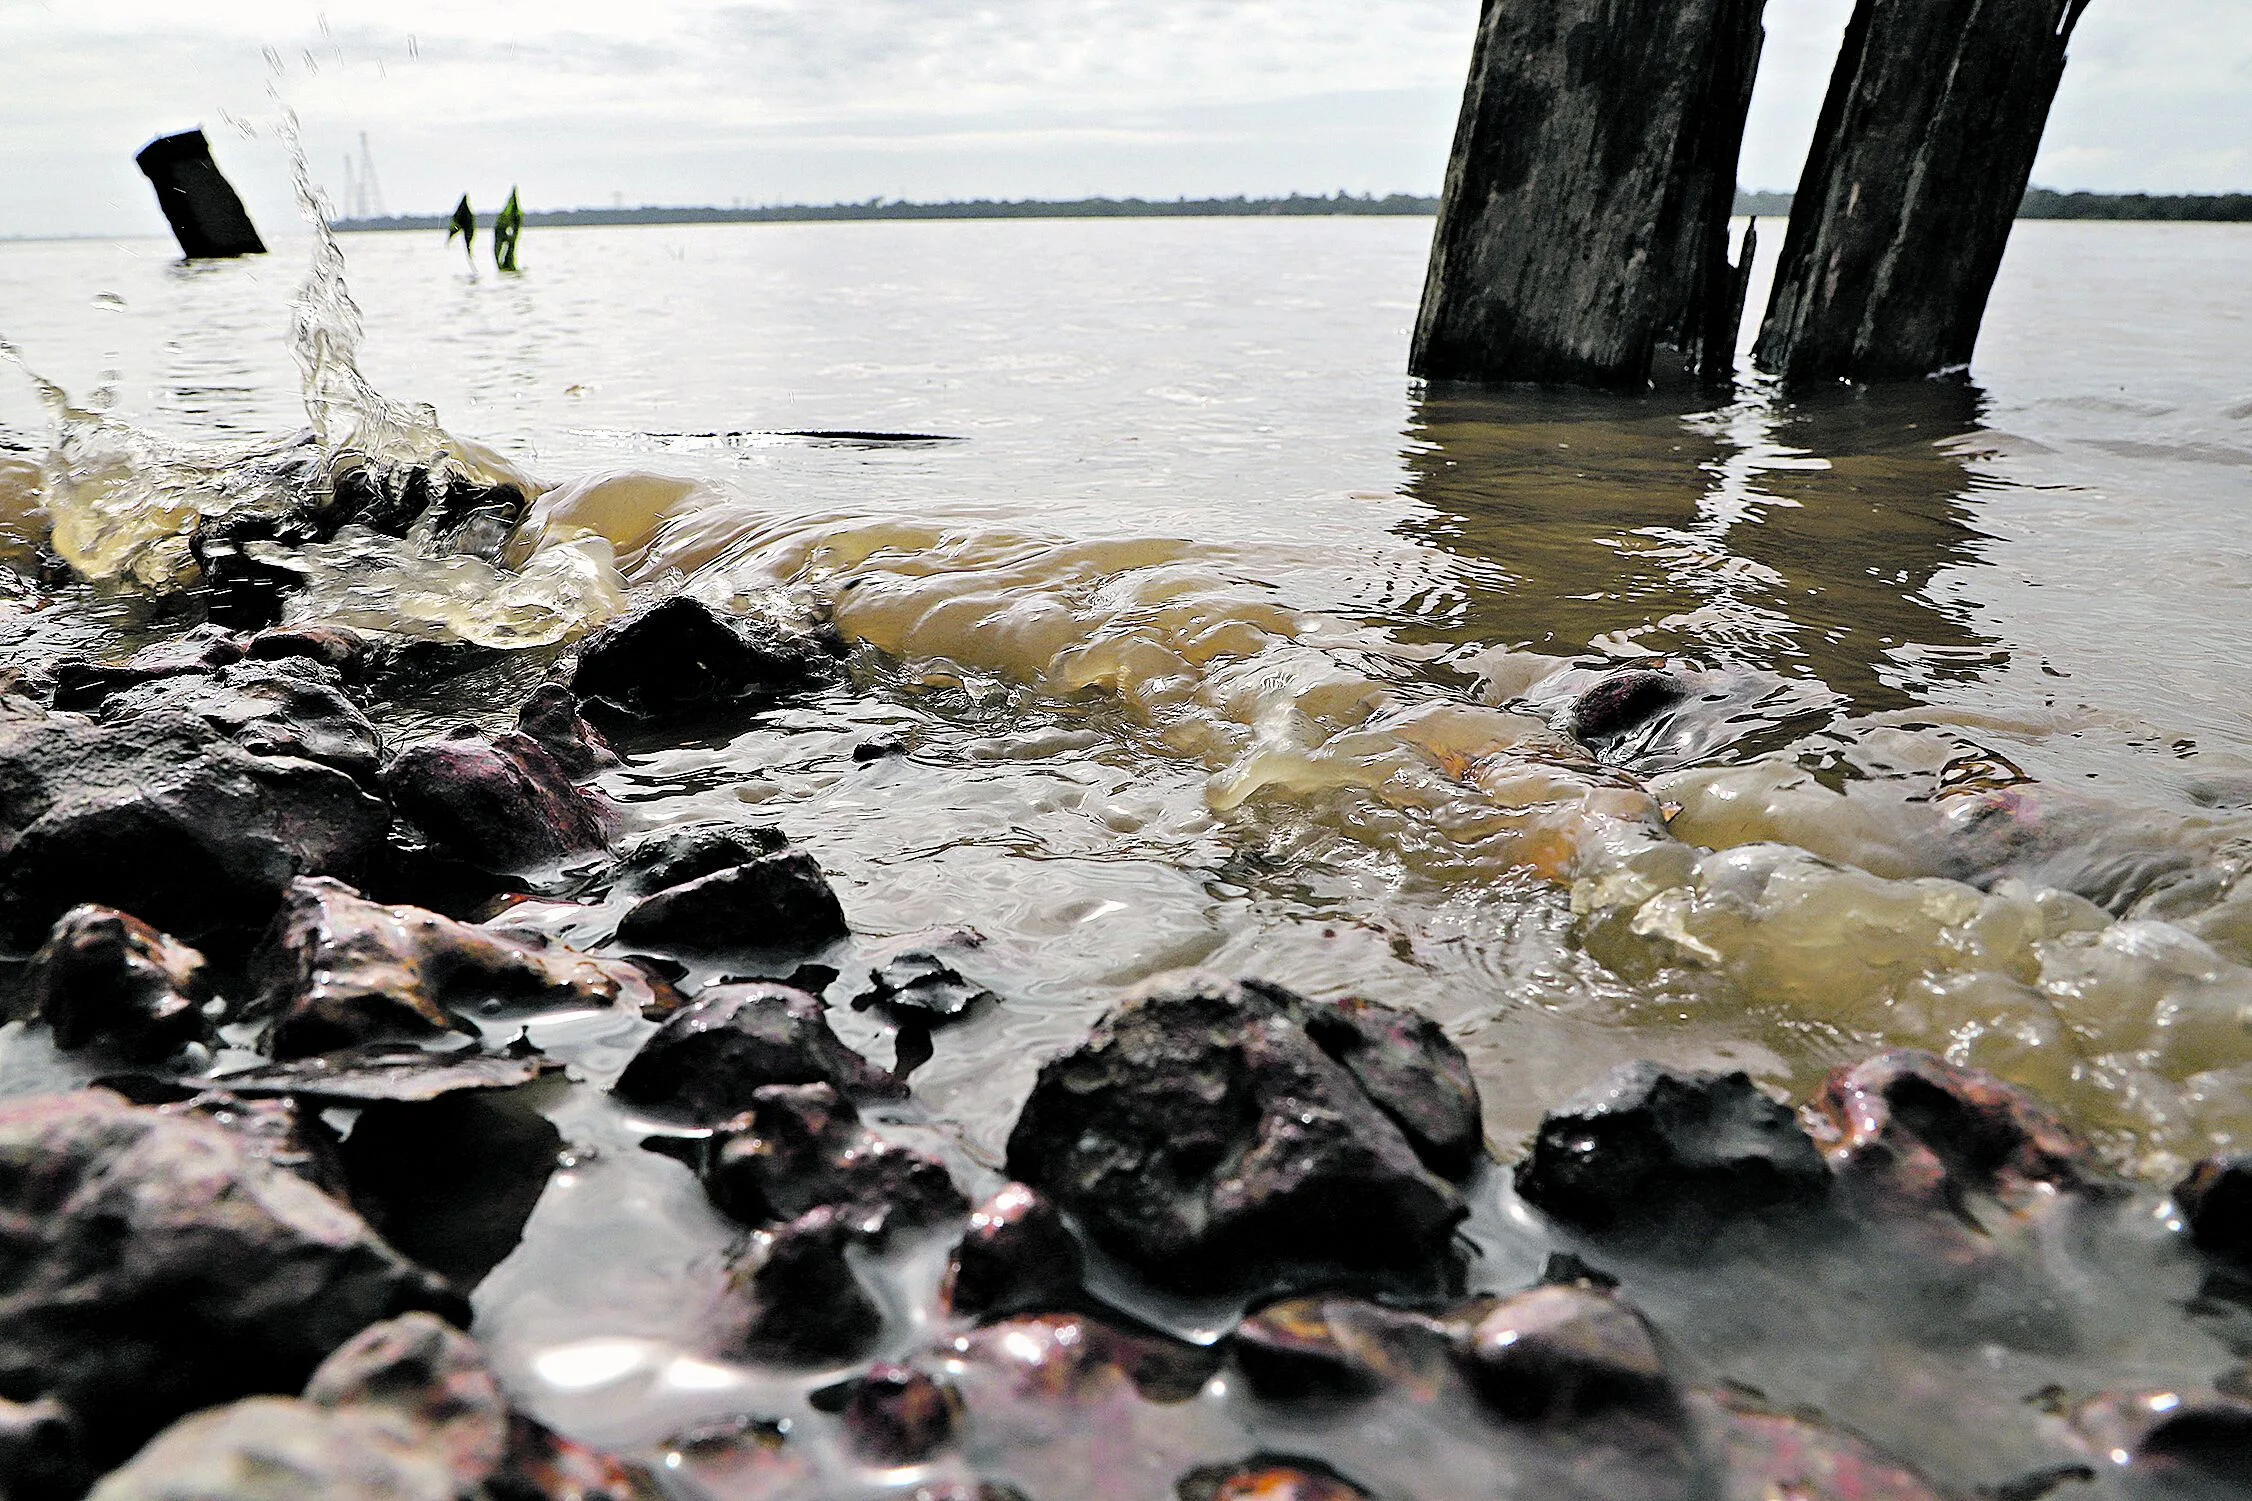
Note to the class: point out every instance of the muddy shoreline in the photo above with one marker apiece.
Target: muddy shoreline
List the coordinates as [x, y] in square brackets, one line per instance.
[381, 1039]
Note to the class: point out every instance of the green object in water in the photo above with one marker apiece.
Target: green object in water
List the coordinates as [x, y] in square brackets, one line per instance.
[506, 228]
[464, 223]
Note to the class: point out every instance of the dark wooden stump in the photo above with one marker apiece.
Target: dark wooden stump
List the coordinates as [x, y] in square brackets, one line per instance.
[1585, 216]
[206, 217]
[1921, 158]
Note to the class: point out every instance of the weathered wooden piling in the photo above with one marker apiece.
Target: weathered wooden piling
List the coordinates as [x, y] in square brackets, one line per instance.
[1584, 220]
[1921, 157]
[206, 217]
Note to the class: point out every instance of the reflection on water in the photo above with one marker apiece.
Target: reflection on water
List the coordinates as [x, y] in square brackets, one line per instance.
[1800, 538]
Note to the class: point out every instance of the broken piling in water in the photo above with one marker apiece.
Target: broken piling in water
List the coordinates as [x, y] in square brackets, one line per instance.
[1923, 153]
[1584, 222]
[206, 216]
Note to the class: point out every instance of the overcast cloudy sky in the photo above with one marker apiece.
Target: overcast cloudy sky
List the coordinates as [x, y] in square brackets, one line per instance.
[715, 101]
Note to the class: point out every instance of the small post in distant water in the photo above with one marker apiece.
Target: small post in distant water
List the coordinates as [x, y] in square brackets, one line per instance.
[1920, 160]
[464, 223]
[507, 227]
[206, 216]
[1585, 216]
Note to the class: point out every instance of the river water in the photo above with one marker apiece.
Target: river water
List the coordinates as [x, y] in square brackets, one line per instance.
[1215, 640]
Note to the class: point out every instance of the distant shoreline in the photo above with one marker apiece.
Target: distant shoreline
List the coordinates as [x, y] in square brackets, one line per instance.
[2040, 203]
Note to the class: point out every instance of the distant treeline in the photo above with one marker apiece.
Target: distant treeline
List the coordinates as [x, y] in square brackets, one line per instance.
[2040, 203]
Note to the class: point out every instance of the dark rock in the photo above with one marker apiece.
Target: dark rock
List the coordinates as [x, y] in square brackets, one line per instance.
[447, 511]
[151, 1265]
[1913, 1130]
[777, 905]
[1763, 1454]
[1339, 1347]
[458, 1212]
[794, 1296]
[916, 984]
[290, 707]
[245, 591]
[710, 1058]
[1202, 1135]
[206, 216]
[281, 1133]
[337, 970]
[2216, 1201]
[406, 1411]
[899, 1416]
[801, 1146]
[1622, 702]
[674, 857]
[1268, 1477]
[105, 977]
[1561, 1354]
[195, 652]
[680, 659]
[1652, 1151]
[1413, 1072]
[505, 805]
[880, 749]
[1016, 1257]
[39, 1453]
[165, 818]
[551, 716]
[338, 648]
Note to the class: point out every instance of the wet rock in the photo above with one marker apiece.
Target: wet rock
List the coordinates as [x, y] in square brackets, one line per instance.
[899, 1416]
[406, 1410]
[2216, 1202]
[338, 971]
[1912, 1130]
[290, 707]
[1564, 1353]
[916, 984]
[794, 1297]
[551, 717]
[680, 660]
[1268, 1477]
[801, 1146]
[674, 857]
[1622, 702]
[39, 1453]
[281, 1133]
[710, 1059]
[882, 748]
[341, 649]
[1202, 1135]
[106, 978]
[1071, 1357]
[2196, 1440]
[1762, 1455]
[166, 819]
[505, 805]
[1413, 1072]
[151, 1265]
[777, 905]
[459, 1213]
[1016, 1257]
[1651, 1151]
[199, 650]
[1340, 1347]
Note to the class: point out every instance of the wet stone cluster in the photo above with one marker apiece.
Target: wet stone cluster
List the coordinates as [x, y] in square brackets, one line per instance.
[1231, 1251]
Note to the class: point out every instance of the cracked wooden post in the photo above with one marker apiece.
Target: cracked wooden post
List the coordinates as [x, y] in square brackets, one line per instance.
[1923, 152]
[206, 217]
[1584, 221]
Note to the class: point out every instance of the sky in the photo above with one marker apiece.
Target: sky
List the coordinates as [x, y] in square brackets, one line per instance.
[596, 102]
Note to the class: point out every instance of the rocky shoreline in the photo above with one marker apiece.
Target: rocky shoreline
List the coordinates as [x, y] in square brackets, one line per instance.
[1239, 1246]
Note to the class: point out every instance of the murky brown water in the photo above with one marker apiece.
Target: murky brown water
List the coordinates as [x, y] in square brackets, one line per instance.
[1216, 641]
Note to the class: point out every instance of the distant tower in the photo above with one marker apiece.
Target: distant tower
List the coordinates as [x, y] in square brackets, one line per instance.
[365, 192]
